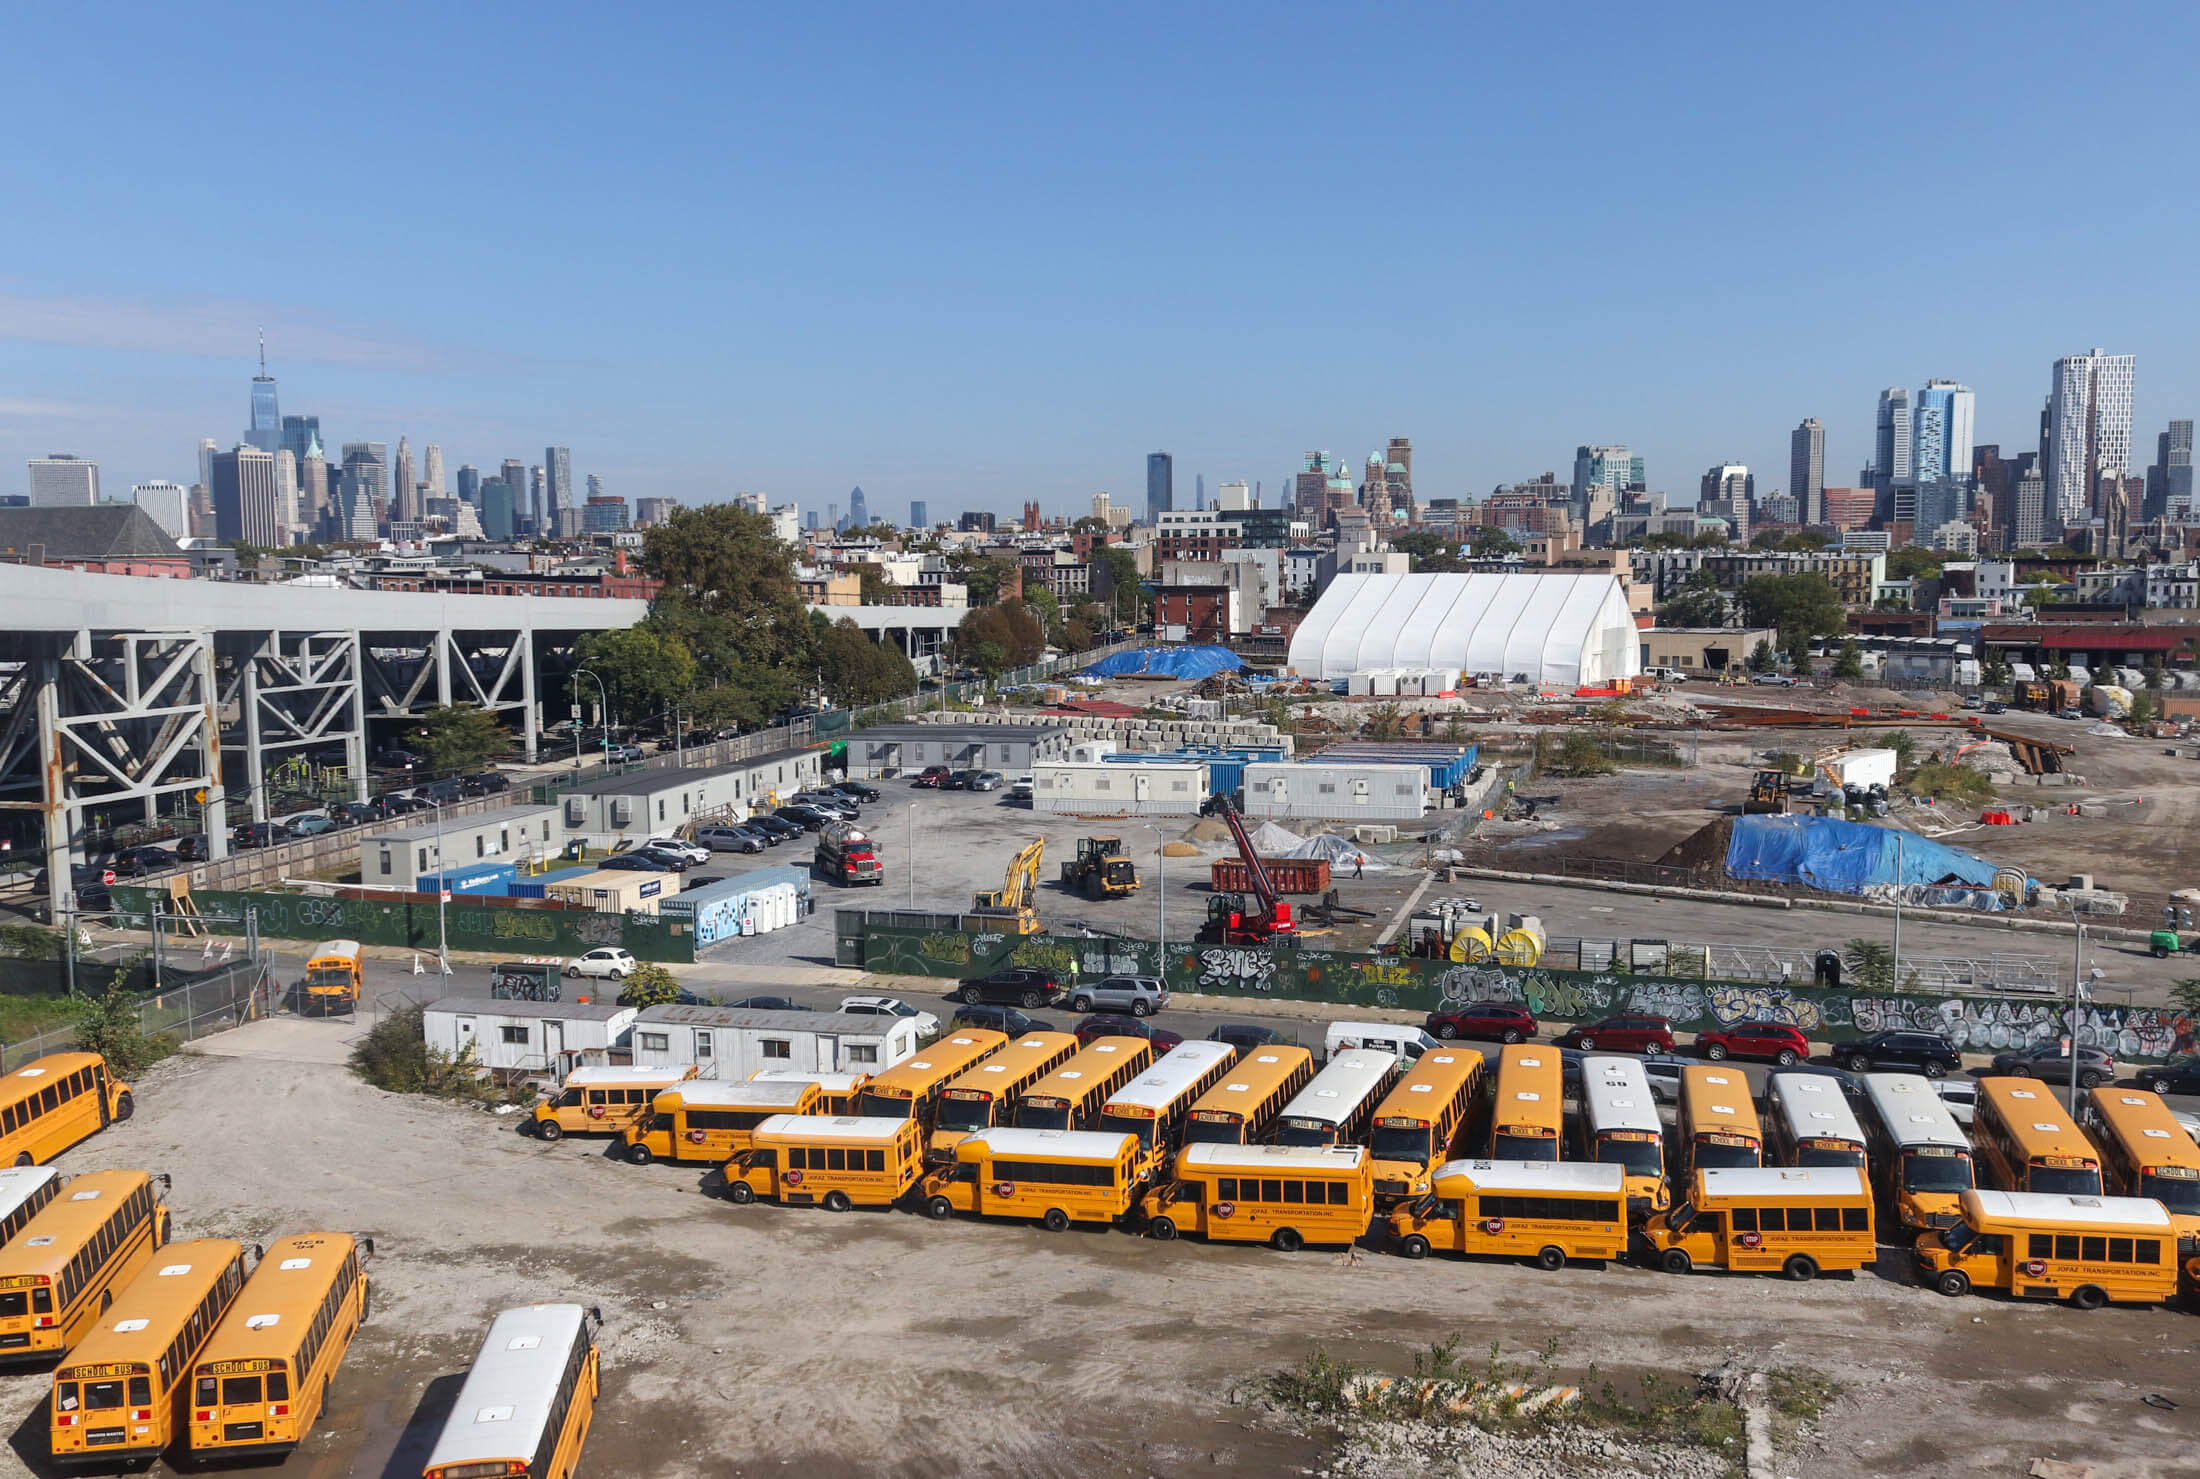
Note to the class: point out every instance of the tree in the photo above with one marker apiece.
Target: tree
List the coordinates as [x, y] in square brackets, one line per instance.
[2145, 708]
[858, 670]
[1795, 642]
[2185, 996]
[1089, 524]
[1698, 603]
[649, 985]
[1902, 742]
[644, 670]
[1491, 543]
[1850, 664]
[1762, 658]
[985, 575]
[1122, 588]
[1958, 783]
[460, 737]
[2157, 676]
[996, 638]
[1804, 602]
[1870, 965]
[112, 1025]
[730, 597]
[1994, 672]
[1910, 562]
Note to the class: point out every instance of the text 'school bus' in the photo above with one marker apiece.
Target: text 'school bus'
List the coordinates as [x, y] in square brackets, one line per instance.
[2088, 1250]
[121, 1396]
[1338, 1104]
[1283, 1195]
[332, 980]
[1548, 1211]
[987, 1093]
[261, 1381]
[527, 1402]
[1808, 1123]
[85, 1244]
[1920, 1156]
[1619, 1126]
[1153, 1105]
[2025, 1142]
[604, 1101]
[1757, 1220]
[1056, 1176]
[910, 1090]
[1070, 1097]
[1244, 1107]
[813, 1160]
[50, 1104]
[24, 1192]
[1527, 1115]
[1718, 1129]
[706, 1120]
[838, 1090]
[2145, 1152]
[1417, 1123]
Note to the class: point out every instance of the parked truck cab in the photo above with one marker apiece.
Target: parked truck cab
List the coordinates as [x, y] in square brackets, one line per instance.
[847, 855]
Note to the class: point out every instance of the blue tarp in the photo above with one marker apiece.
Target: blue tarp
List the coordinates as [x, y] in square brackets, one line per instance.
[1193, 663]
[1843, 857]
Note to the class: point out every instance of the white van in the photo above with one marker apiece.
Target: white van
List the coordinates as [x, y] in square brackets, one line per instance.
[1402, 1042]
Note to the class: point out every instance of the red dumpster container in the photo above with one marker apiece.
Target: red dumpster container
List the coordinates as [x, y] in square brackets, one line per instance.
[1288, 875]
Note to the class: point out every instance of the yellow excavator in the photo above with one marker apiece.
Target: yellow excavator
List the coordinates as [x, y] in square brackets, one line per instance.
[1010, 908]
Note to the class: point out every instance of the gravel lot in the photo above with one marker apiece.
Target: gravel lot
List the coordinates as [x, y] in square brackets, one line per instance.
[761, 1340]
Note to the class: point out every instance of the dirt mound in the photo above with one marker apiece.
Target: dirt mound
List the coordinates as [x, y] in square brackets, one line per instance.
[1704, 848]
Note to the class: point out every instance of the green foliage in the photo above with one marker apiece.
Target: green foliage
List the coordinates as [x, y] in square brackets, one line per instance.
[1911, 562]
[1902, 742]
[985, 575]
[1127, 600]
[644, 670]
[859, 670]
[1850, 662]
[112, 1025]
[1491, 543]
[2185, 996]
[996, 638]
[1958, 783]
[1804, 602]
[2157, 676]
[649, 985]
[1698, 603]
[1578, 754]
[394, 1056]
[1762, 657]
[460, 737]
[1797, 1396]
[29, 942]
[2145, 708]
[1995, 673]
[1384, 722]
[1795, 642]
[1870, 965]
[730, 598]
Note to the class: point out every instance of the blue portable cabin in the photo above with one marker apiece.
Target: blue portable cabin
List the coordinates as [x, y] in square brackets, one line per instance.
[1448, 765]
[1225, 766]
[493, 879]
[524, 886]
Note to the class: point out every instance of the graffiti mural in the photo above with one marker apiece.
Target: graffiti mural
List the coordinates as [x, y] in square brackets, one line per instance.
[600, 929]
[1236, 968]
[1680, 1000]
[1806, 1011]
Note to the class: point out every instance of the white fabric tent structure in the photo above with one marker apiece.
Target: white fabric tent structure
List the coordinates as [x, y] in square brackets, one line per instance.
[1565, 628]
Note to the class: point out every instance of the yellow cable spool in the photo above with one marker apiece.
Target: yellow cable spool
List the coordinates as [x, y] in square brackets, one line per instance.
[1470, 947]
[1522, 945]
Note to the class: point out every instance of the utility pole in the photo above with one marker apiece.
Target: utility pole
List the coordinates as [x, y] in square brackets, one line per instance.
[442, 896]
[1897, 981]
[1160, 894]
[909, 855]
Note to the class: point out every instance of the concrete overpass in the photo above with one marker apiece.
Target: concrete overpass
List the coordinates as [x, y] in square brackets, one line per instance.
[120, 692]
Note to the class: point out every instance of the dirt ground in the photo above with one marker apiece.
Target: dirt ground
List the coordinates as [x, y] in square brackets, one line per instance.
[744, 1341]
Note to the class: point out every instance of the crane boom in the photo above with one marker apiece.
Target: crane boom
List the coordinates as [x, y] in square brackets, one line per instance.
[1264, 889]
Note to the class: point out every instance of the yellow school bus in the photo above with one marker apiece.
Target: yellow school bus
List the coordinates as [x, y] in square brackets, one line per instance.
[1056, 1176]
[1920, 1156]
[83, 1246]
[1760, 1219]
[1528, 1113]
[2088, 1250]
[333, 979]
[987, 1093]
[810, 1160]
[603, 1101]
[706, 1120]
[836, 1091]
[1244, 1107]
[51, 1103]
[1070, 1097]
[1717, 1128]
[1417, 1123]
[2026, 1142]
[1619, 1125]
[1284, 1195]
[528, 1401]
[24, 1192]
[1546, 1211]
[263, 1378]
[911, 1090]
[2145, 1152]
[1152, 1106]
[121, 1396]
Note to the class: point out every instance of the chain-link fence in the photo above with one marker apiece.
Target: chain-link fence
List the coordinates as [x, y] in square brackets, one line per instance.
[186, 1006]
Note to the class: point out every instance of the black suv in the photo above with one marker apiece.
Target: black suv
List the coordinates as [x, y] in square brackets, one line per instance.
[1000, 1019]
[808, 818]
[1924, 1052]
[855, 789]
[1019, 985]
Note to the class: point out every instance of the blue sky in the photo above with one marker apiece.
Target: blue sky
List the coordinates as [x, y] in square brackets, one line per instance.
[974, 254]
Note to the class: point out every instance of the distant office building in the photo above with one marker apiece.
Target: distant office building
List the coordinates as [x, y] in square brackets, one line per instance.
[655, 511]
[406, 507]
[557, 466]
[1940, 432]
[287, 502]
[299, 433]
[604, 514]
[976, 521]
[595, 485]
[469, 484]
[1727, 492]
[246, 508]
[859, 514]
[918, 517]
[1310, 489]
[206, 462]
[64, 480]
[2169, 480]
[2088, 431]
[1601, 475]
[1807, 470]
[166, 504]
[1234, 495]
[1891, 452]
[832, 517]
[2028, 500]
[496, 509]
[1160, 485]
[572, 522]
[265, 430]
[313, 487]
[363, 495]
[809, 520]
[1401, 460]
[543, 523]
[431, 472]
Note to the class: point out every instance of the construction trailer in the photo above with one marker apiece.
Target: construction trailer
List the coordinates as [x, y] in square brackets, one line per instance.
[520, 1038]
[626, 809]
[1356, 791]
[1111, 788]
[733, 1042]
[396, 857]
[615, 890]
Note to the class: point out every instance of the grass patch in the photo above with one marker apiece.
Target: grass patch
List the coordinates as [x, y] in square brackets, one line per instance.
[1798, 1397]
[27, 1016]
[1669, 1409]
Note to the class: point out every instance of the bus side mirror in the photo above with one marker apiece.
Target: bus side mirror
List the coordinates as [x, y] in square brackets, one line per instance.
[167, 1183]
[595, 1312]
[367, 1244]
[259, 1252]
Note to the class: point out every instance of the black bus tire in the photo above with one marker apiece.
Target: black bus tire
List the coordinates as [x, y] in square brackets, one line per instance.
[939, 1209]
[549, 1132]
[1056, 1220]
[836, 1201]
[1550, 1256]
[638, 1154]
[1413, 1245]
[1800, 1267]
[1287, 1240]
[2088, 1297]
[1162, 1229]
[125, 1106]
[1676, 1261]
[1953, 1283]
[740, 1193]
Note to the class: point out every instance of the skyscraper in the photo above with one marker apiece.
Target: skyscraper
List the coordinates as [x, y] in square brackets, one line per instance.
[206, 462]
[364, 489]
[300, 432]
[166, 504]
[286, 495]
[1160, 485]
[469, 484]
[1807, 470]
[313, 499]
[2169, 480]
[431, 472]
[245, 507]
[266, 429]
[2089, 426]
[1601, 474]
[1940, 432]
[1727, 492]
[544, 523]
[64, 480]
[917, 519]
[557, 467]
[1891, 452]
[406, 506]
[595, 485]
[496, 509]
[1199, 490]
[1310, 489]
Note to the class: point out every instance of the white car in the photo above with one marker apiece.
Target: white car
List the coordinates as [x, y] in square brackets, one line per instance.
[609, 961]
[928, 1025]
[1663, 1070]
[1022, 788]
[694, 852]
[1960, 1095]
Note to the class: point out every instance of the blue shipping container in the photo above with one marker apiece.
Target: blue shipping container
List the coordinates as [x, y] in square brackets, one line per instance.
[482, 878]
[524, 887]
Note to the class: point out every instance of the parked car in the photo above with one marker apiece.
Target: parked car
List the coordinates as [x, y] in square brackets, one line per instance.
[313, 824]
[136, 862]
[1019, 985]
[808, 818]
[1996, 706]
[1494, 1021]
[81, 875]
[890, 1006]
[999, 1019]
[2177, 1076]
[2051, 1063]
[1772, 680]
[1108, 1024]
[2070, 711]
[958, 780]
[679, 847]
[254, 835]
[778, 829]
[1141, 996]
[1246, 1037]
[1920, 1052]
[768, 1004]
[856, 790]
[1023, 788]
[932, 777]
[87, 894]
[401, 803]
[609, 961]
[731, 839]
[192, 849]
[839, 808]
[1783, 1045]
[984, 780]
[677, 861]
[487, 783]
[1961, 1097]
[441, 793]
[396, 759]
[1621, 1035]
[1664, 1072]
[640, 862]
[622, 755]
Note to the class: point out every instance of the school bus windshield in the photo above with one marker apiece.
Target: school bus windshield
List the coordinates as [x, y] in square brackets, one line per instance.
[1401, 1145]
[958, 1114]
[2175, 1187]
[1714, 1157]
[1505, 1147]
[1644, 1157]
[1936, 1169]
[2059, 1181]
[884, 1106]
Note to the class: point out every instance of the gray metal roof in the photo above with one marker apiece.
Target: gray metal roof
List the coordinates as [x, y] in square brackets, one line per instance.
[966, 733]
[484, 1006]
[101, 531]
[459, 825]
[746, 1017]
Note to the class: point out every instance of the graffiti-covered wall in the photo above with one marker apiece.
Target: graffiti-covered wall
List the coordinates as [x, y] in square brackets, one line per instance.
[1975, 1024]
[412, 925]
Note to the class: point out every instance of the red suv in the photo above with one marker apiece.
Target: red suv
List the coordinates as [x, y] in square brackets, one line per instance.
[1622, 1035]
[1783, 1045]
[932, 777]
[1497, 1020]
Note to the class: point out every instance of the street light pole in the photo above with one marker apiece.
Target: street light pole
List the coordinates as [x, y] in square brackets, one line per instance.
[1897, 909]
[2077, 986]
[909, 854]
[1160, 893]
[442, 896]
[603, 712]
